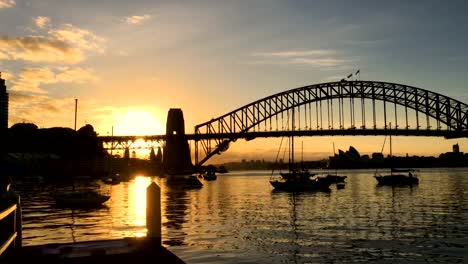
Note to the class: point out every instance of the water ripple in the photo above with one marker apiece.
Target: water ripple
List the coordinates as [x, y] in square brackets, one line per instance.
[239, 219]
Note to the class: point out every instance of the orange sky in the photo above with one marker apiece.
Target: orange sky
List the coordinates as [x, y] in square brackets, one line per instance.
[128, 63]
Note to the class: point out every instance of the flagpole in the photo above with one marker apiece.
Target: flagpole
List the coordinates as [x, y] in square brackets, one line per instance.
[76, 106]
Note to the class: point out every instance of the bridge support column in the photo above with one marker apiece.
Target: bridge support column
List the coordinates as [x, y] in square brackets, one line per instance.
[176, 154]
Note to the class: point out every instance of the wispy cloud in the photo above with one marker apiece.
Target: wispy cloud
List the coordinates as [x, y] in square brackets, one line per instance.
[7, 75]
[295, 53]
[66, 44]
[81, 38]
[38, 108]
[322, 62]
[137, 20]
[367, 42]
[39, 49]
[77, 74]
[7, 3]
[3, 56]
[30, 79]
[42, 21]
[325, 58]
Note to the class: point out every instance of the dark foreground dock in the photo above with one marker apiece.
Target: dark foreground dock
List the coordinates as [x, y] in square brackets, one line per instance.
[126, 250]
[135, 250]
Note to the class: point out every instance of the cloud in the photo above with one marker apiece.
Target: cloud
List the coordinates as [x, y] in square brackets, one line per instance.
[4, 56]
[322, 62]
[366, 42]
[7, 75]
[324, 58]
[295, 53]
[81, 38]
[36, 108]
[7, 3]
[137, 20]
[42, 22]
[63, 45]
[39, 49]
[78, 75]
[30, 79]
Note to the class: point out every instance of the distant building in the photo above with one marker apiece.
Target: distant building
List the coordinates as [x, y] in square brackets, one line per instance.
[456, 148]
[3, 104]
[377, 156]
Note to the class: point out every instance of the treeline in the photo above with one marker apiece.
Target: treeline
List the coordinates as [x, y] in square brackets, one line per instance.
[51, 152]
[61, 141]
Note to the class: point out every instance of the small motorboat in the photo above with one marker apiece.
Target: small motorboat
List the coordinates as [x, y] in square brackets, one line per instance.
[112, 180]
[398, 177]
[209, 176]
[187, 181]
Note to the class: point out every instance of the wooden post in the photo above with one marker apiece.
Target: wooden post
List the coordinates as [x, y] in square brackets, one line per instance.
[153, 212]
[19, 224]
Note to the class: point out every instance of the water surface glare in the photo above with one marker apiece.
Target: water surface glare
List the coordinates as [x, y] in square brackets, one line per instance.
[239, 219]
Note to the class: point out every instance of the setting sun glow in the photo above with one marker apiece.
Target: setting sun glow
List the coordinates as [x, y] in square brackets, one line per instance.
[138, 122]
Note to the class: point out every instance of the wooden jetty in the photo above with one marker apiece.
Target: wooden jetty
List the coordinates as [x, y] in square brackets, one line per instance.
[135, 250]
[127, 250]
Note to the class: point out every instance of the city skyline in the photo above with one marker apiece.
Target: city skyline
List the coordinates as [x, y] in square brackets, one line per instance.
[129, 63]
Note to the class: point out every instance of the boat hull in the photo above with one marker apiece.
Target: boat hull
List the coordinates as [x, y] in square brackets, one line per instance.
[396, 180]
[299, 186]
[184, 181]
[334, 178]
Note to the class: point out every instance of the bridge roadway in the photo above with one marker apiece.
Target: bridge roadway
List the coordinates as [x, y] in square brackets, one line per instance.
[325, 132]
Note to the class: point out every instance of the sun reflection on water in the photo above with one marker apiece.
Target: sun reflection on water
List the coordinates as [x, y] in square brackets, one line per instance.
[139, 202]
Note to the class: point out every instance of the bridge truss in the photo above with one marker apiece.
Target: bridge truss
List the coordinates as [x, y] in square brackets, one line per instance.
[337, 108]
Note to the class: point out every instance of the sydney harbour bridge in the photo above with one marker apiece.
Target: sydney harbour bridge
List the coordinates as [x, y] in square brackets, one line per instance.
[346, 108]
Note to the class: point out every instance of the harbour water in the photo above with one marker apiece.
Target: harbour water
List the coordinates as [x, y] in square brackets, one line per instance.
[238, 218]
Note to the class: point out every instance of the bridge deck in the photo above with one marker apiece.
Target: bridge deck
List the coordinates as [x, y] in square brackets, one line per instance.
[328, 132]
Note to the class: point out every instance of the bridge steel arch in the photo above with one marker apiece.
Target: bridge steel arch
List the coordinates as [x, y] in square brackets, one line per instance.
[215, 135]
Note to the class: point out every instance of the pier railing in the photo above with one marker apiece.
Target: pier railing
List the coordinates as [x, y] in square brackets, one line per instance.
[10, 237]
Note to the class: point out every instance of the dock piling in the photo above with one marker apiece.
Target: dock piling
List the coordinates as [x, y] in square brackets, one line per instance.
[153, 213]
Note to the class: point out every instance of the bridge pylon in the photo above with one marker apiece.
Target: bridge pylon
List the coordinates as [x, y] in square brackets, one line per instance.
[176, 153]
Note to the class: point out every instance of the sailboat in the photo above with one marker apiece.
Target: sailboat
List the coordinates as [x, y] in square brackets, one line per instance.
[334, 177]
[297, 179]
[79, 198]
[397, 176]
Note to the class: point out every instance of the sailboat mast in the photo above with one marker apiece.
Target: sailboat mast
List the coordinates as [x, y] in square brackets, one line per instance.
[302, 155]
[292, 139]
[76, 108]
[390, 125]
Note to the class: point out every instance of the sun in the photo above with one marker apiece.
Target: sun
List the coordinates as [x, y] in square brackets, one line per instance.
[137, 123]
